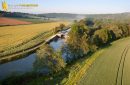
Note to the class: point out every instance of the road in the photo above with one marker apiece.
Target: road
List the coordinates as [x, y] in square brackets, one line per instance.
[112, 67]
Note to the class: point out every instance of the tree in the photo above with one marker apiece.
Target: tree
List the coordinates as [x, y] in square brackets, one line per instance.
[58, 28]
[125, 29]
[77, 42]
[101, 37]
[85, 44]
[73, 41]
[62, 26]
[46, 58]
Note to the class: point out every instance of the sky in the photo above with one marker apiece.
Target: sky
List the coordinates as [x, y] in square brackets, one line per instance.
[72, 6]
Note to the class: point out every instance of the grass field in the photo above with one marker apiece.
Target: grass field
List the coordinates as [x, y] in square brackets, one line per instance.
[15, 38]
[112, 67]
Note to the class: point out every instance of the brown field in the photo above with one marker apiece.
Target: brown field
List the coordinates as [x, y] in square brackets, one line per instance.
[9, 21]
[13, 35]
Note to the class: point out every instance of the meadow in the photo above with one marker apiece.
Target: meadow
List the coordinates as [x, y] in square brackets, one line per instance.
[19, 38]
[112, 67]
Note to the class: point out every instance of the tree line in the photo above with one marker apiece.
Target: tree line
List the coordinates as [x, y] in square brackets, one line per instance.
[88, 35]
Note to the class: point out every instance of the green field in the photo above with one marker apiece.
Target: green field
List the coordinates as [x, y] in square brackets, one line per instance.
[112, 67]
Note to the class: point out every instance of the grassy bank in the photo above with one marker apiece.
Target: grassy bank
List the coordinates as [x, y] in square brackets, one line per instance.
[77, 70]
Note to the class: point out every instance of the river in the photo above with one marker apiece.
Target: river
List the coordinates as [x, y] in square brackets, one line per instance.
[26, 64]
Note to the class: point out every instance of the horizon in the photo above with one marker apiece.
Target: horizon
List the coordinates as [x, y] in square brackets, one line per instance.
[72, 6]
[70, 13]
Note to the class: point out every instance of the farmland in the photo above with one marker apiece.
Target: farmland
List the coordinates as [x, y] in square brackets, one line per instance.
[112, 67]
[16, 38]
[9, 21]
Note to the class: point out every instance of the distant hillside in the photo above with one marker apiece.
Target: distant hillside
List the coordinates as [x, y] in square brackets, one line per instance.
[66, 15]
[47, 15]
[80, 16]
[109, 16]
[59, 15]
[17, 15]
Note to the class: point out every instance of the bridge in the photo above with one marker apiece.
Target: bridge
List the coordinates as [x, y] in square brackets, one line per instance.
[61, 34]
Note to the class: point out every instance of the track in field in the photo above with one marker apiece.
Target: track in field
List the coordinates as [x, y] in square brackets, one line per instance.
[111, 68]
[121, 66]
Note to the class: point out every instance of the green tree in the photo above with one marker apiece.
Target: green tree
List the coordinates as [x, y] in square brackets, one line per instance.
[62, 26]
[125, 29]
[77, 42]
[58, 28]
[101, 37]
[84, 45]
[46, 58]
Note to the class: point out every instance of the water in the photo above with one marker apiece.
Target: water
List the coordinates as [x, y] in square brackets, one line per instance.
[57, 44]
[25, 64]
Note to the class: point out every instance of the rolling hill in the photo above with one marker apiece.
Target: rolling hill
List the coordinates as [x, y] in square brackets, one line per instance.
[124, 15]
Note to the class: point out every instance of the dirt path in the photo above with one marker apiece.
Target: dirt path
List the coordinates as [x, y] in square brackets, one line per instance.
[112, 67]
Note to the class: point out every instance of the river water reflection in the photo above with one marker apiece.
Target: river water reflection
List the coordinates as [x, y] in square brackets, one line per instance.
[26, 64]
